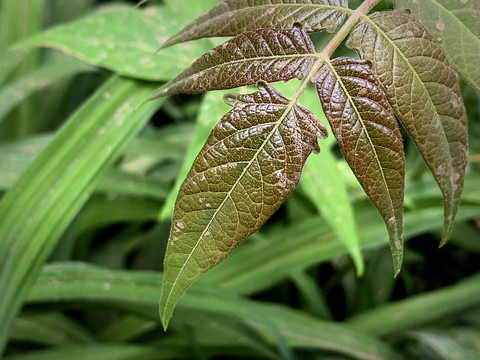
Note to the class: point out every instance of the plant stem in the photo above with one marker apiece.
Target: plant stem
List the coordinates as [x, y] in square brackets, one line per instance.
[333, 44]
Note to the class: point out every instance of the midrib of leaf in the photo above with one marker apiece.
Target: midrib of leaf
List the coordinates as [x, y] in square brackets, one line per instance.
[288, 108]
[322, 57]
[377, 160]
[300, 6]
[448, 223]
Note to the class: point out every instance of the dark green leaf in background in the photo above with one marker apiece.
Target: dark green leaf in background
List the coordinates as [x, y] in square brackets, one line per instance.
[265, 54]
[368, 135]
[248, 166]
[423, 90]
[232, 17]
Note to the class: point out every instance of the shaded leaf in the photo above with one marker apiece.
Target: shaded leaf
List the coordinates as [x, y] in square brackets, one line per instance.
[250, 163]
[369, 138]
[232, 17]
[17, 91]
[455, 24]
[423, 90]
[266, 54]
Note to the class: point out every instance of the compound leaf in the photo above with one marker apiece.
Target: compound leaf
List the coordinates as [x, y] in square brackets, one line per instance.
[423, 90]
[266, 54]
[369, 138]
[232, 17]
[455, 24]
[250, 163]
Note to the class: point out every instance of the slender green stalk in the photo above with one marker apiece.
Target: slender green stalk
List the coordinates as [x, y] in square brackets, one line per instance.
[333, 44]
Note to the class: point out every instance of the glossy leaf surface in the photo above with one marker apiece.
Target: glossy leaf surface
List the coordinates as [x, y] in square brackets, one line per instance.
[369, 138]
[232, 17]
[266, 54]
[422, 89]
[249, 165]
[455, 24]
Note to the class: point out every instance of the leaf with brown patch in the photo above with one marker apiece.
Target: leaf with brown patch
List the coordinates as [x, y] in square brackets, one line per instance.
[266, 54]
[369, 138]
[423, 90]
[232, 17]
[250, 163]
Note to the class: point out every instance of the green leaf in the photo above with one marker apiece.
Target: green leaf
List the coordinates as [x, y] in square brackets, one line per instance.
[423, 90]
[232, 17]
[369, 138]
[137, 291]
[265, 54]
[105, 38]
[49, 329]
[104, 352]
[455, 25]
[211, 109]
[20, 89]
[37, 209]
[250, 163]
[397, 316]
[9, 61]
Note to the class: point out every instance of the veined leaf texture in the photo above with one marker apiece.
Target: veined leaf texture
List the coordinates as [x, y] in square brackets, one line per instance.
[232, 17]
[369, 138]
[266, 54]
[423, 90]
[250, 163]
[253, 158]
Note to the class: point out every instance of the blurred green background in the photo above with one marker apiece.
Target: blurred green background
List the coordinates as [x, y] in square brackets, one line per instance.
[87, 182]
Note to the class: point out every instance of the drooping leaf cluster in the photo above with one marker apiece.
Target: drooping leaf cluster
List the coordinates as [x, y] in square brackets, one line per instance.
[254, 156]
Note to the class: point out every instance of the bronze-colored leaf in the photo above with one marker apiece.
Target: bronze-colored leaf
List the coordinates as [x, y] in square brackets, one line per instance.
[265, 54]
[232, 17]
[423, 90]
[369, 138]
[250, 163]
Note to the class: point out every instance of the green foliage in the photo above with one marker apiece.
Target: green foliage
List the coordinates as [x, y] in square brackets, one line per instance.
[89, 173]
[356, 102]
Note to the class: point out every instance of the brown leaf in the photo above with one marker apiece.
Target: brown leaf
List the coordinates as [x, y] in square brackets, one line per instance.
[265, 54]
[250, 163]
[423, 90]
[232, 17]
[369, 138]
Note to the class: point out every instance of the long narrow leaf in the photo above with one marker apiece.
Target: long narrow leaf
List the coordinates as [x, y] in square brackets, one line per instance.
[34, 213]
[17, 91]
[249, 165]
[264, 54]
[138, 291]
[423, 90]
[369, 138]
[232, 17]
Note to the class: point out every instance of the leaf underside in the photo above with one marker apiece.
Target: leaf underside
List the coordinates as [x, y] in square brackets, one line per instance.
[265, 54]
[369, 138]
[232, 17]
[423, 90]
[250, 163]
[456, 25]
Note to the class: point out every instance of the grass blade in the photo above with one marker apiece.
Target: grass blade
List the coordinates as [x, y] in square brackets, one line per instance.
[35, 212]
